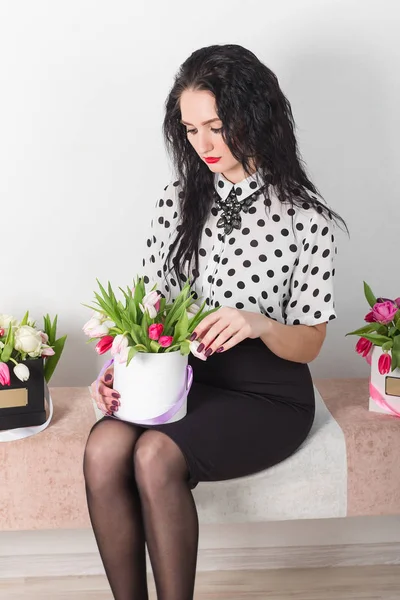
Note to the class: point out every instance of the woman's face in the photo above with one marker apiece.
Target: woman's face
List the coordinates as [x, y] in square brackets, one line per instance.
[203, 127]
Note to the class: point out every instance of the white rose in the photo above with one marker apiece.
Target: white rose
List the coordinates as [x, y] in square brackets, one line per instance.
[6, 321]
[28, 340]
[22, 372]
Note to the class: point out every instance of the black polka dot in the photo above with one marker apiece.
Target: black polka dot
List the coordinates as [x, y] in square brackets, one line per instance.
[246, 231]
[169, 203]
[326, 276]
[254, 243]
[220, 184]
[275, 289]
[219, 282]
[305, 269]
[238, 251]
[299, 226]
[296, 322]
[326, 253]
[317, 314]
[161, 220]
[255, 278]
[306, 205]
[238, 191]
[239, 305]
[296, 283]
[231, 272]
[146, 279]
[253, 185]
[224, 261]
[314, 228]
[252, 300]
[276, 218]
[214, 211]
[270, 309]
[241, 285]
[314, 271]
[202, 252]
[246, 263]
[269, 238]
[293, 248]
[291, 212]
[261, 222]
[285, 232]
[264, 295]
[316, 293]
[285, 269]
[232, 240]
[314, 250]
[208, 232]
[304, 287]
[278, 253]
[306, 308]
[262, 258]
[228, 294]
[167, 224]
[293, 304]
[270, 273]
[327, 297]
[325, 231]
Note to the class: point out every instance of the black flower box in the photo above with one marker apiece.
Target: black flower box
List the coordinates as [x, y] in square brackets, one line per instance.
[22, 403]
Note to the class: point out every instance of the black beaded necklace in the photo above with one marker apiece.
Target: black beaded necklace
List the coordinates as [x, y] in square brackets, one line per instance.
[231, 208]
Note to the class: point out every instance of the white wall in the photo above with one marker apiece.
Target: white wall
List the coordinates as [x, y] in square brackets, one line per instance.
[83, 84]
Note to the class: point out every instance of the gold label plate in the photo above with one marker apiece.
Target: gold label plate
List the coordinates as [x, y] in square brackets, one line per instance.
[13, 398]
[392, 386]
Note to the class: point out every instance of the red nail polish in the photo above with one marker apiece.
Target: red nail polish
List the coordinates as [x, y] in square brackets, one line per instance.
[108, 377]
[193, 336]
[208, 352]
[115, 395]
[220, 349]
[200, 348]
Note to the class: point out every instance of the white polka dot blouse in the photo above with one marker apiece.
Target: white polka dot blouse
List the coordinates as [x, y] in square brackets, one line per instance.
[270, 257]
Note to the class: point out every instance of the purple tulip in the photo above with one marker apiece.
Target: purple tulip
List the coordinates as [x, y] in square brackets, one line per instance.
[384, 312]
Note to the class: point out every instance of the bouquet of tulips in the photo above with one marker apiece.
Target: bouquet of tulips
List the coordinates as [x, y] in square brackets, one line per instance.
[382, 329]
[143, 321]
[22, 340]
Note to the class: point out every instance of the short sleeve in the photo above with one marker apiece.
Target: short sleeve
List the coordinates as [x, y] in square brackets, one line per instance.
[158, 239]
[311, 298]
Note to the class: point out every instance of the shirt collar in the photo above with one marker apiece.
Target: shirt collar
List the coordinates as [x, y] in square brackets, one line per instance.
[243, 189]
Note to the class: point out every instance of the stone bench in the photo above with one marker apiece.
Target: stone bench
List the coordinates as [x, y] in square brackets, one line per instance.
[348, 466]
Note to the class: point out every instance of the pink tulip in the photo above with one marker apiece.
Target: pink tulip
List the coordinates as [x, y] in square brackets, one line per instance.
[2, 332]
[384, 363]
[120, 343]
[384, 312]
[397, 302]
[4, 374]
[44, 336]
[151, 303]
[47, 351]
[165, 340]
[363, 346]
[369, 317]
[155, 331]
[104, 344]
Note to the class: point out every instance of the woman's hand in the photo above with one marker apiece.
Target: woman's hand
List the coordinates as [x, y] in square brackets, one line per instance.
[228, 326]
[106, 398]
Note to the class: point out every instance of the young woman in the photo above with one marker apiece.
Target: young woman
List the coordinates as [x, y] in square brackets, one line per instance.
[245, 225]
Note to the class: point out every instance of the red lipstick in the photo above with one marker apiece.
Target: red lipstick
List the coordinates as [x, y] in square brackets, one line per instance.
[211, 160]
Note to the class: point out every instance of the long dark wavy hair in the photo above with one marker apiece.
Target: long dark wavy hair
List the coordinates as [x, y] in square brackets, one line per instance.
[257, 125]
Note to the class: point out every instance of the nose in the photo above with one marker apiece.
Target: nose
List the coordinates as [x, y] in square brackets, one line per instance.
[204, 143]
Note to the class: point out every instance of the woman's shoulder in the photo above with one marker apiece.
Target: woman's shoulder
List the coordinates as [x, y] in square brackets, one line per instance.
[306, 211]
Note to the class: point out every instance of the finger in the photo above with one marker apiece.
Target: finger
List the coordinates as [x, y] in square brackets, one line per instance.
[220, 329]
[206, 323]
[107, 392]
[108, 377]
[229, 343]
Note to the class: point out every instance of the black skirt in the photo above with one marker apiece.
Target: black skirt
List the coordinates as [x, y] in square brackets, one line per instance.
[248, 410]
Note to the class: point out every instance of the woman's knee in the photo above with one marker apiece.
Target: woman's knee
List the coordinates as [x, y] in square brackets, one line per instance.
[157, 461]
[108, 454]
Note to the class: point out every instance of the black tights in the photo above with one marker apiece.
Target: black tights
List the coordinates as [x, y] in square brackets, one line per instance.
[138, 493]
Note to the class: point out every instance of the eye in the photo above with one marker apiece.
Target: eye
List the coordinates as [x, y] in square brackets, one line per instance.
[216, 130]
[191, 131]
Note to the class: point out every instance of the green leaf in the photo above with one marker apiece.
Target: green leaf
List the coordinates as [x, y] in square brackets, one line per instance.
[396, 353]
[136, 333]
[369, 295]
[387, 346]
[181, 328]
[131, 354]
[155, 346]
[53, 331]
[52, 361]
[377, 339]
[369, 328]
[185, 347]
[25, 318]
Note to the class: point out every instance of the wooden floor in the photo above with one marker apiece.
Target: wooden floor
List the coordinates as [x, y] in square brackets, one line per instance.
[344, 583]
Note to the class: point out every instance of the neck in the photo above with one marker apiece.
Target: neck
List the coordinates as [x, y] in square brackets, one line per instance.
[238, 174]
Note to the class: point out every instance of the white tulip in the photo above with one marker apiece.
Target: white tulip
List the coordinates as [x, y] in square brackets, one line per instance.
[119, 344]
[22, 372]
[28, 340]
[193, 349]
[95, 328]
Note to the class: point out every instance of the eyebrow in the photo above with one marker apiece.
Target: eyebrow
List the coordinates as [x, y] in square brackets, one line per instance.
[205, 122]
